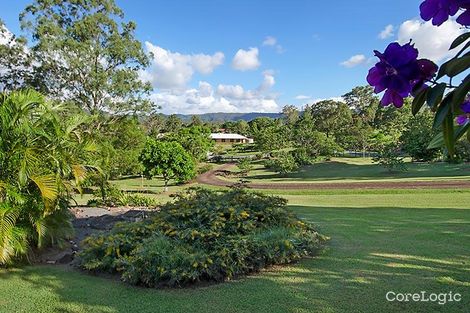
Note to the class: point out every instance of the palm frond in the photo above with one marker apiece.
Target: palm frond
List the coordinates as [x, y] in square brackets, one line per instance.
[28, 165]
[47, 185]
[13, 240]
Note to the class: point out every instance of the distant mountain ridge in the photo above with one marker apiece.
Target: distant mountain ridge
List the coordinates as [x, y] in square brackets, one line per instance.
[225, 117]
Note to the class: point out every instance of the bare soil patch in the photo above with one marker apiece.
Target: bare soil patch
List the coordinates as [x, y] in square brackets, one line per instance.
[87, 221]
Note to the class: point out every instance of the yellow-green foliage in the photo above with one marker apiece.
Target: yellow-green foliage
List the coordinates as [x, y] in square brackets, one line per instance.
[203, 235]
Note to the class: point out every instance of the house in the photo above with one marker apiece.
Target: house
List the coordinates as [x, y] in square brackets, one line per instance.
[230, 138]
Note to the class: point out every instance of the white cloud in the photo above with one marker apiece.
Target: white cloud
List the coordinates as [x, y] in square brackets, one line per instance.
[270, 41]
[205, 64]
[204, 99]
[432, 42]
[232, 91]
[224, 98]
[355, 60]
[268, 81]
[171, 70]
[337, 99]
[302, 97]
[387, 32]
[245, 60]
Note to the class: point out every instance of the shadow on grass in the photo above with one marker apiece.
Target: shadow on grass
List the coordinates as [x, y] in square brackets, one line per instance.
[372, 251]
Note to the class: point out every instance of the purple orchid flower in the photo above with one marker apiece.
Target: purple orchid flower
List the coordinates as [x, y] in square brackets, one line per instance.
[439, 11]
[464, 118]
[398, 71]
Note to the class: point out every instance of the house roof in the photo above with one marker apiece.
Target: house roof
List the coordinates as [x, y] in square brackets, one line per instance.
[227, 136]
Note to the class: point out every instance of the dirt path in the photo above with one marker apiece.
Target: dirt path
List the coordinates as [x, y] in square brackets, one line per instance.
[210, 178]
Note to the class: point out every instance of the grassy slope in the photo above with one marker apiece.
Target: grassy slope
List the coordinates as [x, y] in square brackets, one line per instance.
[359, 169]
[390, 243]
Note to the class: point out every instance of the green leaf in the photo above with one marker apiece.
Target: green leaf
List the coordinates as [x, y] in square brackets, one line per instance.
[461, 92]
[448, 132]
[459, 40]
[442, 70]
[463, 49]
[458, 65]
[442, 110]
[438, 140]
[435, 95]
[461, 130]
[418, 101]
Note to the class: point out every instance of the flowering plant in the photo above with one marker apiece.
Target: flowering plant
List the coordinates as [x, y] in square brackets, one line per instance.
[400, 74]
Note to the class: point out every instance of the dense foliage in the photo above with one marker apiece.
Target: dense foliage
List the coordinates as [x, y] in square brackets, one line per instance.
[203, 236]
[400, 74]
[195, 140]
[169, 159]
[84, 52]
[112, 196]
[245, 166]
[41, 164]
[282, 162]
[418, 135]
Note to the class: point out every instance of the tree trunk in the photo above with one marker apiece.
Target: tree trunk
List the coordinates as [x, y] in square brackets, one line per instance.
[166, 184]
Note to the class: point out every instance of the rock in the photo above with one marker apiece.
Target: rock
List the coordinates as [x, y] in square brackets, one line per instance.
[67, 258]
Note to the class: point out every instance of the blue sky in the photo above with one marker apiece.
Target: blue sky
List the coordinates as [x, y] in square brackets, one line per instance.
[310, 41]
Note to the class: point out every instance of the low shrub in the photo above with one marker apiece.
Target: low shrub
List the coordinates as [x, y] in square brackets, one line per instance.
[282, 162]
[203, 235]
[112, 196]
[204, 168]
[462, 150]
[302, 156]
[245, 166]
[390, 158]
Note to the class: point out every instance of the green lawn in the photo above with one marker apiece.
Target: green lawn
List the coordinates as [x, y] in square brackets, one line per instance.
[400, 240]
[153, 188]
[360, 169]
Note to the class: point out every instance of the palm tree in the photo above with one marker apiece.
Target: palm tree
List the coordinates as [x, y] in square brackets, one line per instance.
[41, 156]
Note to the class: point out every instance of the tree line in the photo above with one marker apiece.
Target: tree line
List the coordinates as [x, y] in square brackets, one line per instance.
[75, 113]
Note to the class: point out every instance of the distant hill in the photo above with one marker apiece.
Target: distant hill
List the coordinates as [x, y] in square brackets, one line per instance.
[224, 117]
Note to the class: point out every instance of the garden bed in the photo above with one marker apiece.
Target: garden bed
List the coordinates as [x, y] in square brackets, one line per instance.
[203, 237]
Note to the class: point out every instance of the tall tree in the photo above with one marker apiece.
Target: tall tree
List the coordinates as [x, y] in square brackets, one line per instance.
[196, 121]
[291, 114]
[173, 123]
[330, 117]
[15, 61]
[418, 135]
[85, 52]
[363, 103]
[195, 140]
[239, 127]
[154, 124]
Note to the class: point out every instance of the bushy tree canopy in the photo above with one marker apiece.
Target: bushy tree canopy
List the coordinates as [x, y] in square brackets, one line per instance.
[85, 52]
[167, 158]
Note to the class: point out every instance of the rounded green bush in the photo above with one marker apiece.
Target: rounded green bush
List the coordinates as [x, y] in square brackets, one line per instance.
[203, 235]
